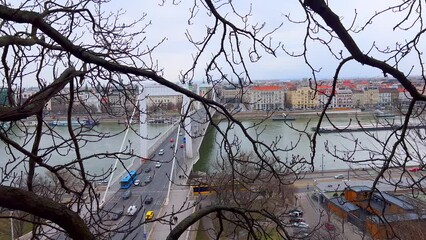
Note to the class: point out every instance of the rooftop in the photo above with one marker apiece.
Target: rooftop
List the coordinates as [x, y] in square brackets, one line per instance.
[342, 203]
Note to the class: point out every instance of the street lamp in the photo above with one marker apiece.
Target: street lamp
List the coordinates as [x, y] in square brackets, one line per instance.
[322, 165]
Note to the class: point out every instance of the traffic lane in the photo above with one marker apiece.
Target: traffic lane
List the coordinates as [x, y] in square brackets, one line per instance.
[157, 188]
[127, 225]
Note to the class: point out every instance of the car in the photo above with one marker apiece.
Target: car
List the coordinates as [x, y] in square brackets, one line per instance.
[296, 213]
[127, 194]
[415, 169]
[172, 145]
[117, 215]
[180, 133]
[148, 200]
[296, 220]
[339, 176]
[181, 146]
[172, 140]
[302, 235]
[149, 215]
[137, 182]
[132, 210]
[329, 227]
[158, 164]
[147, 170]
[300, 225]
[148, 179]
[161, 152]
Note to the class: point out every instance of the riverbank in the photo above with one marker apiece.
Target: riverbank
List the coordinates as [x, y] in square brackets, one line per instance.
[247, 115]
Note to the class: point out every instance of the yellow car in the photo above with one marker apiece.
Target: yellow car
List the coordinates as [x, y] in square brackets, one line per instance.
[149, 215]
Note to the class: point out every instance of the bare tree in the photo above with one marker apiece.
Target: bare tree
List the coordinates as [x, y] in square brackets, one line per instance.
[79, 44]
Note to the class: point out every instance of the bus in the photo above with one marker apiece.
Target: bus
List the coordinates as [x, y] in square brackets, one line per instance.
[202, 189]
[128, 180]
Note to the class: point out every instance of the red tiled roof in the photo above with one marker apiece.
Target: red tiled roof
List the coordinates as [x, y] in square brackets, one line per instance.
[266, 88]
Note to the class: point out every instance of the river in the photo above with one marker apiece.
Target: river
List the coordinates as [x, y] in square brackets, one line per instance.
[271, 130]
[94, 145]
[209, 150]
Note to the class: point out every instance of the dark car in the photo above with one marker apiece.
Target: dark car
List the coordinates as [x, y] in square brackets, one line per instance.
[127, 194]
[295, 213]
[148, 200]
[148, 179]
[117, 215]
[296, 220]
[147, 170]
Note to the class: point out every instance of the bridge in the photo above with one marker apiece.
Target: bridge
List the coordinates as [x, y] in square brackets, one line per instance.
[166, 188]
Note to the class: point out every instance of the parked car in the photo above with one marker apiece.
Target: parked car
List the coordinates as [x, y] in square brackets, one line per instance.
[148, 200]
[329, 227]
[296, 220]
[148, 179]
[296, 213]
[117, 215]
[147, 170]
[339, 176]
[149, 215]
[158, 164]
[300, 225]
[415, 169]
[132, 210]
[127, 194]
[161, 152]
[137, 182]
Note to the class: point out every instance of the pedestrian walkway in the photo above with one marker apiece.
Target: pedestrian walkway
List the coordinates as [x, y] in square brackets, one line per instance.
[180, 200]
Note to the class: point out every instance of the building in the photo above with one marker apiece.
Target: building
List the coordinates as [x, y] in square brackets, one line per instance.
[358, 98]
[371, 97]
[267, 97]
[343, 98]
[388, 96]
[374, 212]
[163, 103]
[28, 92]
[304, 98]
[232, 94]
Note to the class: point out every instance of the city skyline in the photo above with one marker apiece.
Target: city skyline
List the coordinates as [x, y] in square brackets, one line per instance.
[175, 54]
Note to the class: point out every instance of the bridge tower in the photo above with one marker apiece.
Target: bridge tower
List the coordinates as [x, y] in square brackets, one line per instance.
[160, 90]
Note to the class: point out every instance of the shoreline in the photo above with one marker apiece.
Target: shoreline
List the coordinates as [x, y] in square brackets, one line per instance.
[298, 114]
[243, 115]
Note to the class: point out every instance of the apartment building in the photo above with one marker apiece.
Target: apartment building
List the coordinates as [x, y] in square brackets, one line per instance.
[267, 97]
[388, 96]
[233, 94]
[358, 98]
[371, 96]
[165, 102]
[343, 98]
[303, 98]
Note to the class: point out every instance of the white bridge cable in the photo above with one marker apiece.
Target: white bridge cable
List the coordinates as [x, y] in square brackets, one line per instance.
[116, 160]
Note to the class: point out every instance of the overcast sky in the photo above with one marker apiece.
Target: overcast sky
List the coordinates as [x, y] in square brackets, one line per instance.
[170, 21]
[175, 54]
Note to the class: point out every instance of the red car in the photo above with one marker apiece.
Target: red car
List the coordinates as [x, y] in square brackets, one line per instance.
[415, 169]
[172, 140]
[329, 227]
[181, 146]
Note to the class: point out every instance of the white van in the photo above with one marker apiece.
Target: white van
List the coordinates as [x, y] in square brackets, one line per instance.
[132, 210]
